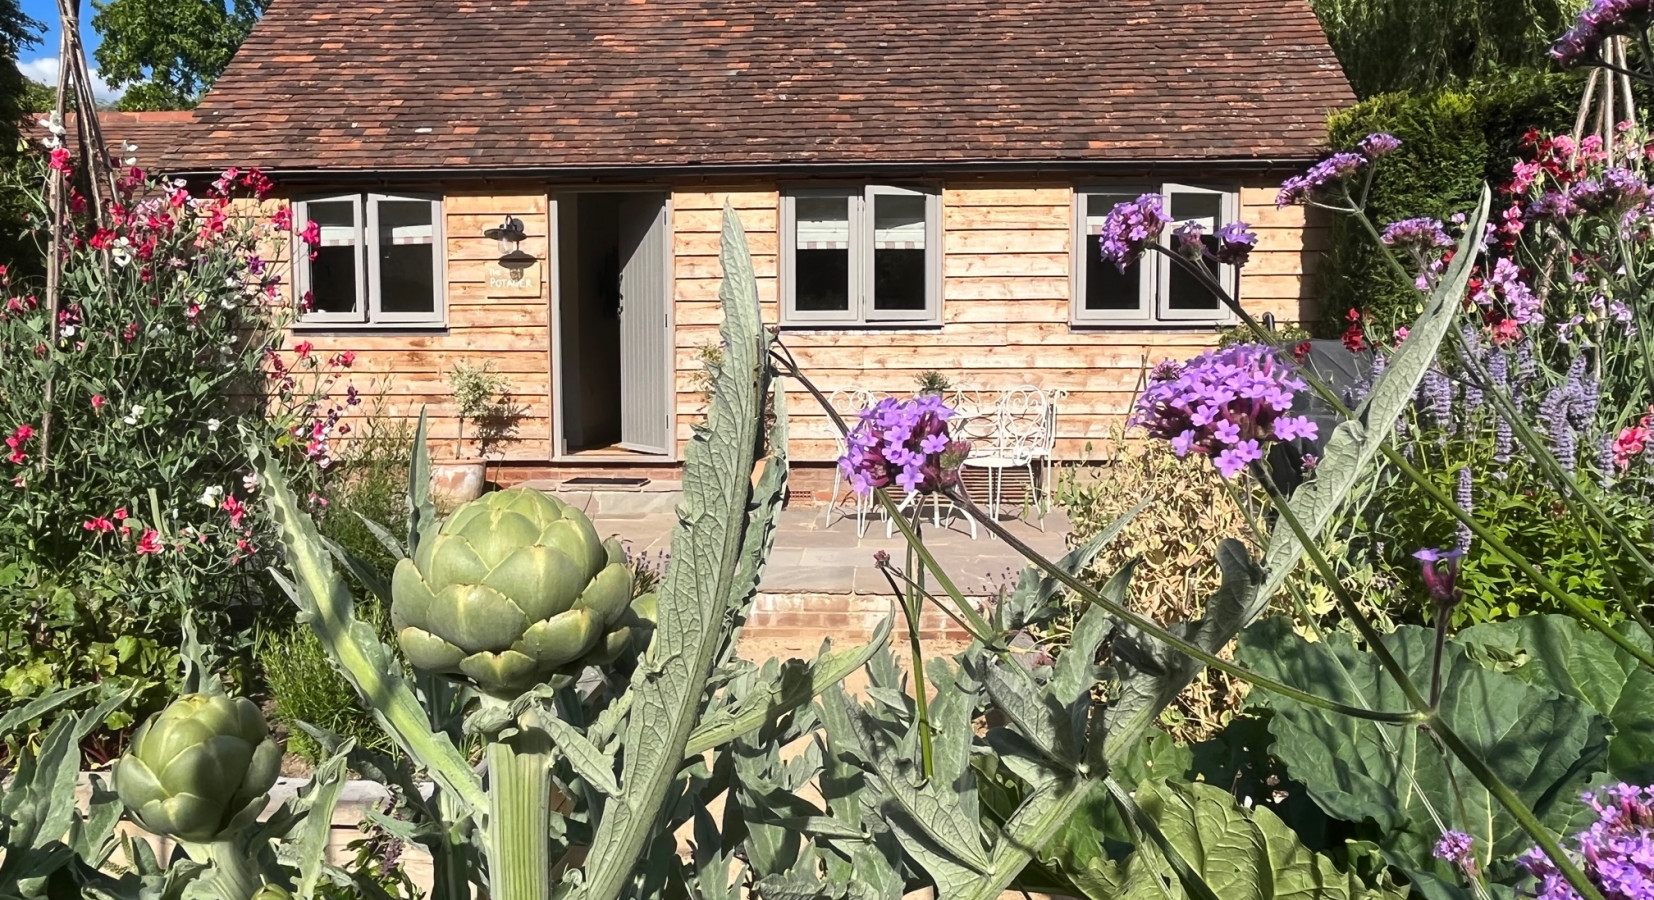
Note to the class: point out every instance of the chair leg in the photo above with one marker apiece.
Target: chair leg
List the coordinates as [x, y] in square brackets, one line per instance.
[832, 500]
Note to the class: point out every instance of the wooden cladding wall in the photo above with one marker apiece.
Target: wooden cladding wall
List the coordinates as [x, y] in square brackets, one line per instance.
[1005, 308]
[404, 370]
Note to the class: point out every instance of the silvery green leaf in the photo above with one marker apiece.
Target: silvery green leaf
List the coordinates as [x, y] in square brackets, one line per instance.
[383, 536]
[1354, 446]
[1035, 589]
[421, 511]
[371, 668]
[783, 697]
[1075, 671]
[595, 766]
[707, 547]
[1026, 833]
[39, 708]
[1024, 760]
[317, 799]
[1032, 711]
[361, 570]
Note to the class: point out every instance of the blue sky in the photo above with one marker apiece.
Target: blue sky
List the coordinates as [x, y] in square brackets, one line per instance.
[40, 61]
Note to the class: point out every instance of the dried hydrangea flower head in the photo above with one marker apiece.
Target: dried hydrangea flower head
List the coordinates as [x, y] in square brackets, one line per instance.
[1224, 404]
[905, 443]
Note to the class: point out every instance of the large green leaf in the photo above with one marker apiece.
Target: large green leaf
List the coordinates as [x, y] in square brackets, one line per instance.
[707, 565]
[1239, 854]
[1556, 652]
[372, 668]
[1354, 445]
[1543, 745]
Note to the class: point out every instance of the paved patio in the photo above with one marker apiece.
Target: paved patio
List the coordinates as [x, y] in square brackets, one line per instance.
[821, 576]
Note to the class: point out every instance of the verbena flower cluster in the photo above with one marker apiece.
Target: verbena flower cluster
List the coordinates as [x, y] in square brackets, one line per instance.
[1616, 853]
[1130, 227]
[1456, 847]
[1224, 404]
[1601, 19]
[905, 443]
[1234, 243]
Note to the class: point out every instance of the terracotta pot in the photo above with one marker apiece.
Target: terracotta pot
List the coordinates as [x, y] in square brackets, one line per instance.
[460, 481]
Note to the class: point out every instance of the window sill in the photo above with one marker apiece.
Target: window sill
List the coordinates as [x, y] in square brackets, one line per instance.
[1191, 325]
[389, 329]
[907, 325]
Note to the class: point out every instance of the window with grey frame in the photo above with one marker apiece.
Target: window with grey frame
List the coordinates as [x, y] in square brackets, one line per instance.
[861, 256]
[378, 262]
[1155, 290]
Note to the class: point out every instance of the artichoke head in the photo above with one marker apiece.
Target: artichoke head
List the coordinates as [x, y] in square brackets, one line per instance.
[513, 589]
[272, 892]
[199, 770]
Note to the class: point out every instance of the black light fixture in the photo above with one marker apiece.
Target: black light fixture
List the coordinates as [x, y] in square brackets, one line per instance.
[510, 235]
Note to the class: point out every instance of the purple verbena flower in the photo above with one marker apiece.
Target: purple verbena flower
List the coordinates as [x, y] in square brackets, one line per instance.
[1441, 573]
[1455, 847]
[1379, 144]
[1130, 227]
[1235, 243]
[1224, 405]
[1422, 234]
[1600, 20]
[1333, 170]
[905, 443]
[1616, 854]
[1187, 239]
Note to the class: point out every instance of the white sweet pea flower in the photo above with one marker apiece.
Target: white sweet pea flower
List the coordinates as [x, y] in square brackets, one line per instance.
[68, 331]
[213, 424]
[121, 254]
[50, 143]
[133, 417]
[50, 123]
[249, 482]
[212, 496]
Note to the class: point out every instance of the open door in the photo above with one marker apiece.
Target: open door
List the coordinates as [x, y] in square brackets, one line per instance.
[645, 325]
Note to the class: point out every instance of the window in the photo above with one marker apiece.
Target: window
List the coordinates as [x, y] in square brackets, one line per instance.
[861, 256]
[379, 261]
[1155, 289]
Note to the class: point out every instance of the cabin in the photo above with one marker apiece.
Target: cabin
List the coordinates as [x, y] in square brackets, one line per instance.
[921, 184]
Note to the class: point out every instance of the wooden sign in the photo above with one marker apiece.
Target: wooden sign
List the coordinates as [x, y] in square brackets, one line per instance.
[503, 282]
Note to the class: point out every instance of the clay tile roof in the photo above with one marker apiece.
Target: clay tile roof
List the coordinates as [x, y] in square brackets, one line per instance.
[594, 84]
[155, 134]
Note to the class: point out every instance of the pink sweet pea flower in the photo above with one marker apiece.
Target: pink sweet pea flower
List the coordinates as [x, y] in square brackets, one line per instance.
[149, 543]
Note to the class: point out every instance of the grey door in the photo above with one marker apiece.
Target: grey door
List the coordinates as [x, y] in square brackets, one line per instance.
[645, 325]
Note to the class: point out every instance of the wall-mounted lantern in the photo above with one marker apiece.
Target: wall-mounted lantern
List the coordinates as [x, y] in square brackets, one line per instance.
[510, 236]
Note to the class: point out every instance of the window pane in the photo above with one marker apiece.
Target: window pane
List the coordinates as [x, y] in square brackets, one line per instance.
[407, 262]
[333, 271]
[1107, 289]
[899, 252]
[821, 254]
[1206, 210]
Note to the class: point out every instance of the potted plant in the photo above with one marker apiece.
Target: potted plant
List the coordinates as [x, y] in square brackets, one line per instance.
[482, 398]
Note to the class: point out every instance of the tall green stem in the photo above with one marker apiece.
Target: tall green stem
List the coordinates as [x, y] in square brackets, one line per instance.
[912, 602]
[234, 874]
[519, 812]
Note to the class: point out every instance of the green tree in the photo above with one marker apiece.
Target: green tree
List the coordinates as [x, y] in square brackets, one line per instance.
[168, 52]
[1397, 45]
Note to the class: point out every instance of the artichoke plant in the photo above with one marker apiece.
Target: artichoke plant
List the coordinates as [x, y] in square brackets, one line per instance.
[514, 589]
[199, 770]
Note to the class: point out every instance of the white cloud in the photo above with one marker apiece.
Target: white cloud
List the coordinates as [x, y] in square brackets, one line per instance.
[44, 70]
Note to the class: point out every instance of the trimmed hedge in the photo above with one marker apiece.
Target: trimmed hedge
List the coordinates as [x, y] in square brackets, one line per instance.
[1453, 140]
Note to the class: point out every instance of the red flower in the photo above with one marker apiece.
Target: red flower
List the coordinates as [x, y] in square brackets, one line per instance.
[97, 401]
[1355, 340]
[19, 437]
[149, 543]
[60, 160]
[101, 239]
[312, 233]
[303, 348]
[235, 508]
[283, 219]
[99, 524]
[119, 515]
[343, 360]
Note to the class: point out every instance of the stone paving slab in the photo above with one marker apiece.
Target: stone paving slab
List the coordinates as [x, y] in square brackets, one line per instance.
[813, 556]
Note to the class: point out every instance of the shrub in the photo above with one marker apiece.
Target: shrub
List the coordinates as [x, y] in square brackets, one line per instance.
[164, 359]
[1174, 538]
[1452, 141]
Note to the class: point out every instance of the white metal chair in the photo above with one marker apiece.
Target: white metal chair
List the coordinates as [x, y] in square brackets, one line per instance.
[849, 405]
[1020, 434]
[1043, 453]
